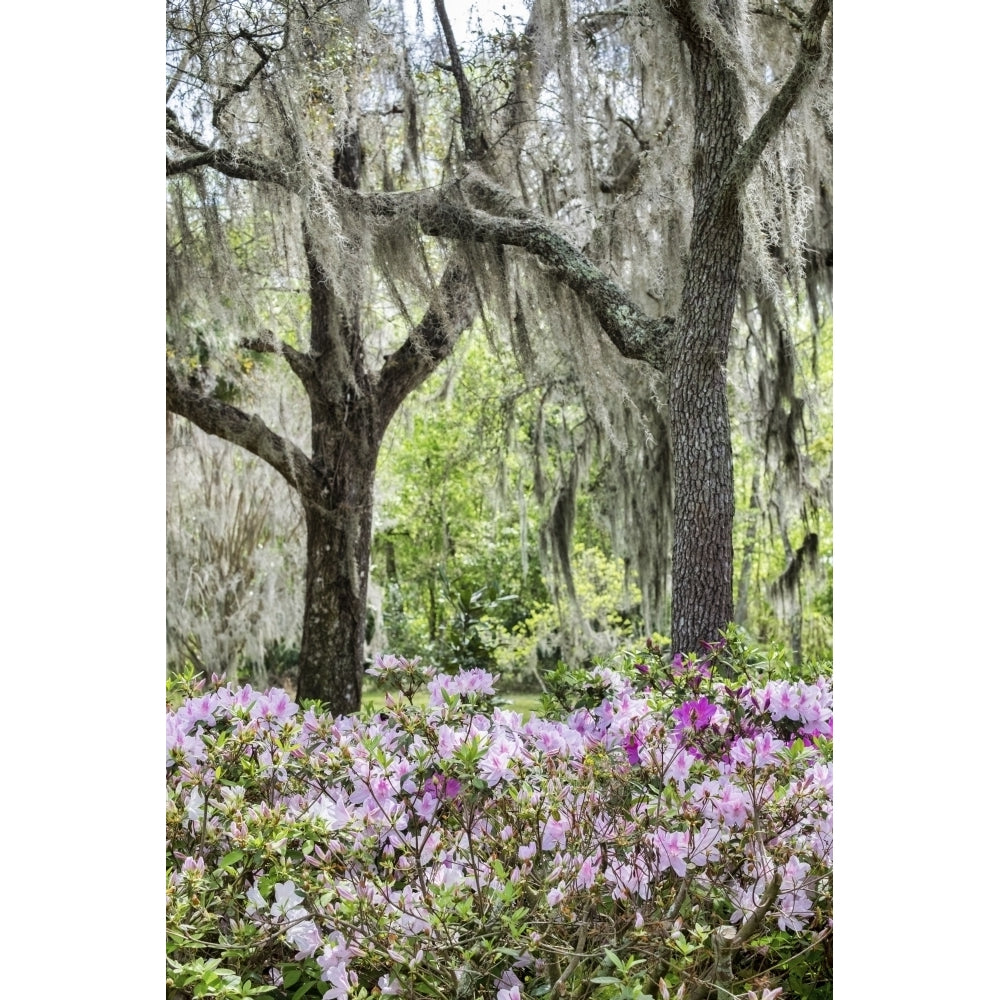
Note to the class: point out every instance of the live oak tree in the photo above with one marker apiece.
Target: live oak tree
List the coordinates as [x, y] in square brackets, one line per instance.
[635, 170]
[261, 130]
[237, 70]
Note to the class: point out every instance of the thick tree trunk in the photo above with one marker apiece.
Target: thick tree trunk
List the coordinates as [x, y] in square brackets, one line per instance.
[331, 660]
[345, 443]
[699, 410]
[351, 410]
[703, 505]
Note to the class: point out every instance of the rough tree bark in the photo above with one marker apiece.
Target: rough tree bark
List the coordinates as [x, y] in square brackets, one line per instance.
[698, 408]
[704, 500]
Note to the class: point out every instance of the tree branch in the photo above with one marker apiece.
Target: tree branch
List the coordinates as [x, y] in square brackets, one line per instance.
[475, 145]
[242, 167]
[250, 432]
[430, 342]
[810, 50]
[179, 71]
[263, 57]
[241, 164]
[489, 196]
[441, 214]
[301, 364]
[753, 922]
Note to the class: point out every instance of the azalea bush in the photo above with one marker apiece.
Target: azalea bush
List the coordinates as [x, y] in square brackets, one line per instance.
[662, 830]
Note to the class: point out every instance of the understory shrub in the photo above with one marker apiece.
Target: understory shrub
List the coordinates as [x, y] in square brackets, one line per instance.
[665, 833]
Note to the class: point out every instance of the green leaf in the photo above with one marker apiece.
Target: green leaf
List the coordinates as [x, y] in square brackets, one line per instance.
[303, 990]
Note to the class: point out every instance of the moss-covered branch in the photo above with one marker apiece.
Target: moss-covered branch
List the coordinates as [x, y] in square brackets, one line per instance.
[246, 430]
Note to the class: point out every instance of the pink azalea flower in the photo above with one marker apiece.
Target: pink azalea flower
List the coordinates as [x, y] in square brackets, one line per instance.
[306, 938]
[589, 869]
[509, 987]
[697, 714]
[554, 832]
[275, 706]
[671, 850]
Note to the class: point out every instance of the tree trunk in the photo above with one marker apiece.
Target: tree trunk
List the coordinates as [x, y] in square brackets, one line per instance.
[699, 410]
[331, 660]
[703, 505]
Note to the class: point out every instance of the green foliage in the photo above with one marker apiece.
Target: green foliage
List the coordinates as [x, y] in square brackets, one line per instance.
[623, 981]
[471, 635]
[456, 549]
[809, 971]
[205, 977]
[783, 573]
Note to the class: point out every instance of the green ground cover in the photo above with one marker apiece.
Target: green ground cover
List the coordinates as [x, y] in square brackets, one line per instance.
[523, 702]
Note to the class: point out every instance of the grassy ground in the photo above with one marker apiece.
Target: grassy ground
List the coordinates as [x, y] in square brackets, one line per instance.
[522, 702]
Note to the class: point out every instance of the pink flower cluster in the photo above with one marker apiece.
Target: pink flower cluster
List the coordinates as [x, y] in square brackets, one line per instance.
[420, 832]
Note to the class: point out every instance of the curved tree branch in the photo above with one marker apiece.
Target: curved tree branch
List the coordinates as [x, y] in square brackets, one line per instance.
[756, 919]
[441, 214]
[634, 333]
[248, 431]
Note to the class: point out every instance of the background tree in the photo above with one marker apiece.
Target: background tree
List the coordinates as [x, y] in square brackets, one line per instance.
[235, 557]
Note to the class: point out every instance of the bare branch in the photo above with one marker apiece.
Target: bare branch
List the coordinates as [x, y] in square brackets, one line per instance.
[243, 165]
[475, 145]
[770, 122]
[248, 431]
[301, 364]
[181, 134]
[450, 313]
[179, 71]
[263, 57]
[240, 166]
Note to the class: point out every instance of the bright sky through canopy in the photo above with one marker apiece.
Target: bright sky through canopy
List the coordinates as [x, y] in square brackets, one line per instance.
[467, 19]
